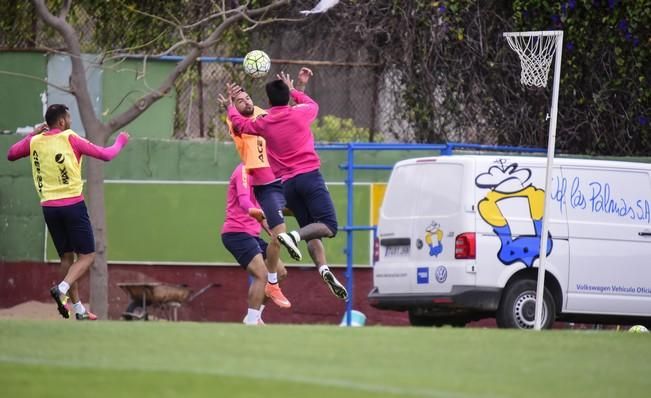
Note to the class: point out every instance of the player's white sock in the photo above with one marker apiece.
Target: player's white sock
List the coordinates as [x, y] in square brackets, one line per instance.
[252, 317]
[261, 309]
[272, 277]
[295, 235]
[79, 308]
[64, 287]
[323, 268]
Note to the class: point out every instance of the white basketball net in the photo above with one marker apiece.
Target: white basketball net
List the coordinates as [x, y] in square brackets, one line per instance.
[536, 53]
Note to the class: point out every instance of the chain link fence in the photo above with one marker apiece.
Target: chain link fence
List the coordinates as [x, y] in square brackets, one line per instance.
[347, 93]
[347, 97]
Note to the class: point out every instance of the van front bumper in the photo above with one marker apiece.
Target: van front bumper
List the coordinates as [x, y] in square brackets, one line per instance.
[461, 297]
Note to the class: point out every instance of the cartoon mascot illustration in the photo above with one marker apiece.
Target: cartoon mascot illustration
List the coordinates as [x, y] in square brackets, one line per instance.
[507, 181]
[434, 231]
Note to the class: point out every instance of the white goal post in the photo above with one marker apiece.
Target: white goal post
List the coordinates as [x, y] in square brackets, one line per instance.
[536, 50]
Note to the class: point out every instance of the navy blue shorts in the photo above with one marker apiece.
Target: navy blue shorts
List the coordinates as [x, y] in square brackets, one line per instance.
[272, 201]
[244, 246]
[308, 198]
[70, 228]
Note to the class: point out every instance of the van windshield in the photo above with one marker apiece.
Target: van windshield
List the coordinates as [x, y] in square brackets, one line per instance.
[424, 189]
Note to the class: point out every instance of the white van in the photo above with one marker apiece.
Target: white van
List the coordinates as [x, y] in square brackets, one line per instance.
[459, 237]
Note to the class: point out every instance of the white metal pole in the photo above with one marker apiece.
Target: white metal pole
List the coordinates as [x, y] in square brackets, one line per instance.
[551, 142]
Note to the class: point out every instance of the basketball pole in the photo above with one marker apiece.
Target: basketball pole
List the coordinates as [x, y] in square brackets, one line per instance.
[551, 142]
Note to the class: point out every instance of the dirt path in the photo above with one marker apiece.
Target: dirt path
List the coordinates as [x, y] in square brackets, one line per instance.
[31, 310]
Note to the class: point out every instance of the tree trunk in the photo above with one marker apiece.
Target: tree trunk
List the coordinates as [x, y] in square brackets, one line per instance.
[99, 269]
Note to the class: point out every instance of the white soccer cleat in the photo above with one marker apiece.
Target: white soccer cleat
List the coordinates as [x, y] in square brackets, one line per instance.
[290, 241]
[335, 287]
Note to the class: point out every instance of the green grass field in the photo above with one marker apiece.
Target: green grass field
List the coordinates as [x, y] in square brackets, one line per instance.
[122, 359]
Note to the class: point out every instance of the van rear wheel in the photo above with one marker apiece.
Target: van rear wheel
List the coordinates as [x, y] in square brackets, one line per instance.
[518, 306]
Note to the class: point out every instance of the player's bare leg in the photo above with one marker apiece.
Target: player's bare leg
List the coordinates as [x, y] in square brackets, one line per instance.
[256, 296]
[272, 288]
[317, 252]
[73, 272]
[312, 234]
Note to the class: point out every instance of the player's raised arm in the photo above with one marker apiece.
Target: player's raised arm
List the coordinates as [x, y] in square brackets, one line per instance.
[21, 148]
[84, 147]
[303, 77]
[304, 103]
[240, 123]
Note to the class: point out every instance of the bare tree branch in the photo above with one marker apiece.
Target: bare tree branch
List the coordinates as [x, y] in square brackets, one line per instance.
[220, 14]
[95, 129]
[146, 101]
[152, 16]
[119, 51]
[22, 75]
[63, 14]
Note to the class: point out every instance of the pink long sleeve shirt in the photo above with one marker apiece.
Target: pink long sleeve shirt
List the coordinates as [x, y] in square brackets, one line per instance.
[239, 200]
[290, 143]
[80, 146]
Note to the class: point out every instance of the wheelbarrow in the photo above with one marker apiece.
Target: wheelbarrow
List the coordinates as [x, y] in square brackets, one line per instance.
[160, 298]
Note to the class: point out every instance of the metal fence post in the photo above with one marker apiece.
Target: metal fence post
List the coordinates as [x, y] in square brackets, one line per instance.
[350, 177]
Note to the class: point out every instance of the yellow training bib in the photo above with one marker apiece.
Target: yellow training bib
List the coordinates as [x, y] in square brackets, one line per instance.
[56, 171]
[252, 148]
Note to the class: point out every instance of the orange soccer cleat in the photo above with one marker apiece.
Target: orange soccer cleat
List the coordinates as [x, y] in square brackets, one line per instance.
[86, 316]
[276, 295]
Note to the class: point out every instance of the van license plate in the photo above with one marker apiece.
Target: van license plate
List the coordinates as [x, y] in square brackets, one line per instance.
[396, 251]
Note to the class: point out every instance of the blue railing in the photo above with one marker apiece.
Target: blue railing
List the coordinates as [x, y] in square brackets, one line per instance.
[350, 167]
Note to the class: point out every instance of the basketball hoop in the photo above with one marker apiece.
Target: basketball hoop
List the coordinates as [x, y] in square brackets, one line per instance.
[536, 50]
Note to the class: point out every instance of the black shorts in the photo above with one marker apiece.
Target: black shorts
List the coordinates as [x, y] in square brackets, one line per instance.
[272, 201]
[244, 247]
[70, 228]
[309, 199]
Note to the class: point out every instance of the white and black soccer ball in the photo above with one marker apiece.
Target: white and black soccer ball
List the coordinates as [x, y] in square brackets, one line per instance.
[638, 329]
[256, 63]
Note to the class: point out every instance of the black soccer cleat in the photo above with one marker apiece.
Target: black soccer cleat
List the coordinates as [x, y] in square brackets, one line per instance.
[60, 299]
[335, 286]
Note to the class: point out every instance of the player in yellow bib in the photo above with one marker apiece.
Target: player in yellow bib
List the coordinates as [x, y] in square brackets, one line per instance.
[56, 155]
[266, 189]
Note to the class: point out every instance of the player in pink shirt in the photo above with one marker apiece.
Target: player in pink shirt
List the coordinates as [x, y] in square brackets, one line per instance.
[290, 146]
[241, 237]
[56, 156]
[267, 189]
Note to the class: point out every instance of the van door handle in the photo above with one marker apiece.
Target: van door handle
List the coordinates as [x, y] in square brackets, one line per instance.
[644, 233]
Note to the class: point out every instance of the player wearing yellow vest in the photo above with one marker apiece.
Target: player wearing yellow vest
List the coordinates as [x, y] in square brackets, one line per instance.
[56, 155]
[267, 191]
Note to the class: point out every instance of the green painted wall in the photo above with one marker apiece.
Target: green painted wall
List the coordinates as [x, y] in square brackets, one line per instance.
[163, 222]
[124, 82]
[20, 102]
[181, 223]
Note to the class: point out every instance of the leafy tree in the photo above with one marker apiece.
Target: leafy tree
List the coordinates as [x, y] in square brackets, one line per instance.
[214, 21]
[330, 128]
[456, 79]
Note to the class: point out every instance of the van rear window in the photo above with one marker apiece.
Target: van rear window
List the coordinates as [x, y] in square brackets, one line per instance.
[424, 189]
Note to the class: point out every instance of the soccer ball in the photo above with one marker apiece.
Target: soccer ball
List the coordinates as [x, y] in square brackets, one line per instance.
[256, 63]
[638, 329]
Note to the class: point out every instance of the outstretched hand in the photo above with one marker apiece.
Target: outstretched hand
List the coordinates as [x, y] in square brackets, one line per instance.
[256, 213]
[303, 76]
[123, 136]
[41, 128]
[223, 101]
[232, 90]
[285, 78]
